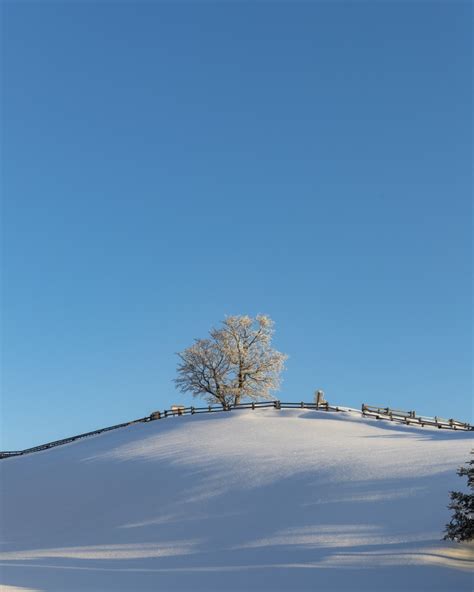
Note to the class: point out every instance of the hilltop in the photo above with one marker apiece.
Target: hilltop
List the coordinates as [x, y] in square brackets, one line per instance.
[248, 500]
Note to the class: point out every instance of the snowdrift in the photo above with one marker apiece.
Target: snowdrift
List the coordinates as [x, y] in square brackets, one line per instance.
[243, 501]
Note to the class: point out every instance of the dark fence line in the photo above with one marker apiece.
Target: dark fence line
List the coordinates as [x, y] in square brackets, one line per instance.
[406, 417]
[410, 418]
[180, 410]
[67, 440]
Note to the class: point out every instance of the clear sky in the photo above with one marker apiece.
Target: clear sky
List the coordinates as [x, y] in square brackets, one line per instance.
[166, 164]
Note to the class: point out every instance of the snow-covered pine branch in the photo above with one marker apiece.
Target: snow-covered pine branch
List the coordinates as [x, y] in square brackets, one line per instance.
[461, 525]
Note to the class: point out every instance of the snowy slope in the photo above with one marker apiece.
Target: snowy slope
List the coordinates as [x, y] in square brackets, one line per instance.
[245, 500]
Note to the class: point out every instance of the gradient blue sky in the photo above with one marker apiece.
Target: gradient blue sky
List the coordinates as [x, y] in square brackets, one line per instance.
[167, 164]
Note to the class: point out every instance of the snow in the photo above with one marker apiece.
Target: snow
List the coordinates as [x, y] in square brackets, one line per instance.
[244, 500]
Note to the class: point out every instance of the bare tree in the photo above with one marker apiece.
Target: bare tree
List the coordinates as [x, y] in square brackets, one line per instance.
[235, 362]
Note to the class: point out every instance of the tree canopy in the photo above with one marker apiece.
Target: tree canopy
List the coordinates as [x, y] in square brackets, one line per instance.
[235, 362]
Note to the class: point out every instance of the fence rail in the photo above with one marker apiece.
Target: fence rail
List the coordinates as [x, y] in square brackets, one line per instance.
[407, 417]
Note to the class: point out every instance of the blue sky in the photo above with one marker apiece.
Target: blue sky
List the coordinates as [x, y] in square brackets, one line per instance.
[165, 165]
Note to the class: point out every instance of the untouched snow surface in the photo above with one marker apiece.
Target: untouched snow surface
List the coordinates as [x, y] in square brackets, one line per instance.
[245, 500]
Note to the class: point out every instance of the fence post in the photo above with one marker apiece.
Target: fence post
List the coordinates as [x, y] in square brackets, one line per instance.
[319, 399]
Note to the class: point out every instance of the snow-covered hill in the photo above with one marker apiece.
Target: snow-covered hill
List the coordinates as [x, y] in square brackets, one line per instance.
[245, 500]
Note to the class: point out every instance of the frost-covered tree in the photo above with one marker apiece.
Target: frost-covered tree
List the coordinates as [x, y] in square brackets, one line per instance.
[461, 526]
[236, 362]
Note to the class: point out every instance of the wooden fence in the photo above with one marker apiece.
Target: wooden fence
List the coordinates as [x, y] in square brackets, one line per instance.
[411, 418]
[406, 417]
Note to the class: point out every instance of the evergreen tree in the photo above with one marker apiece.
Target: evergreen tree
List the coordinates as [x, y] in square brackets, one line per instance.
[461, 526]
